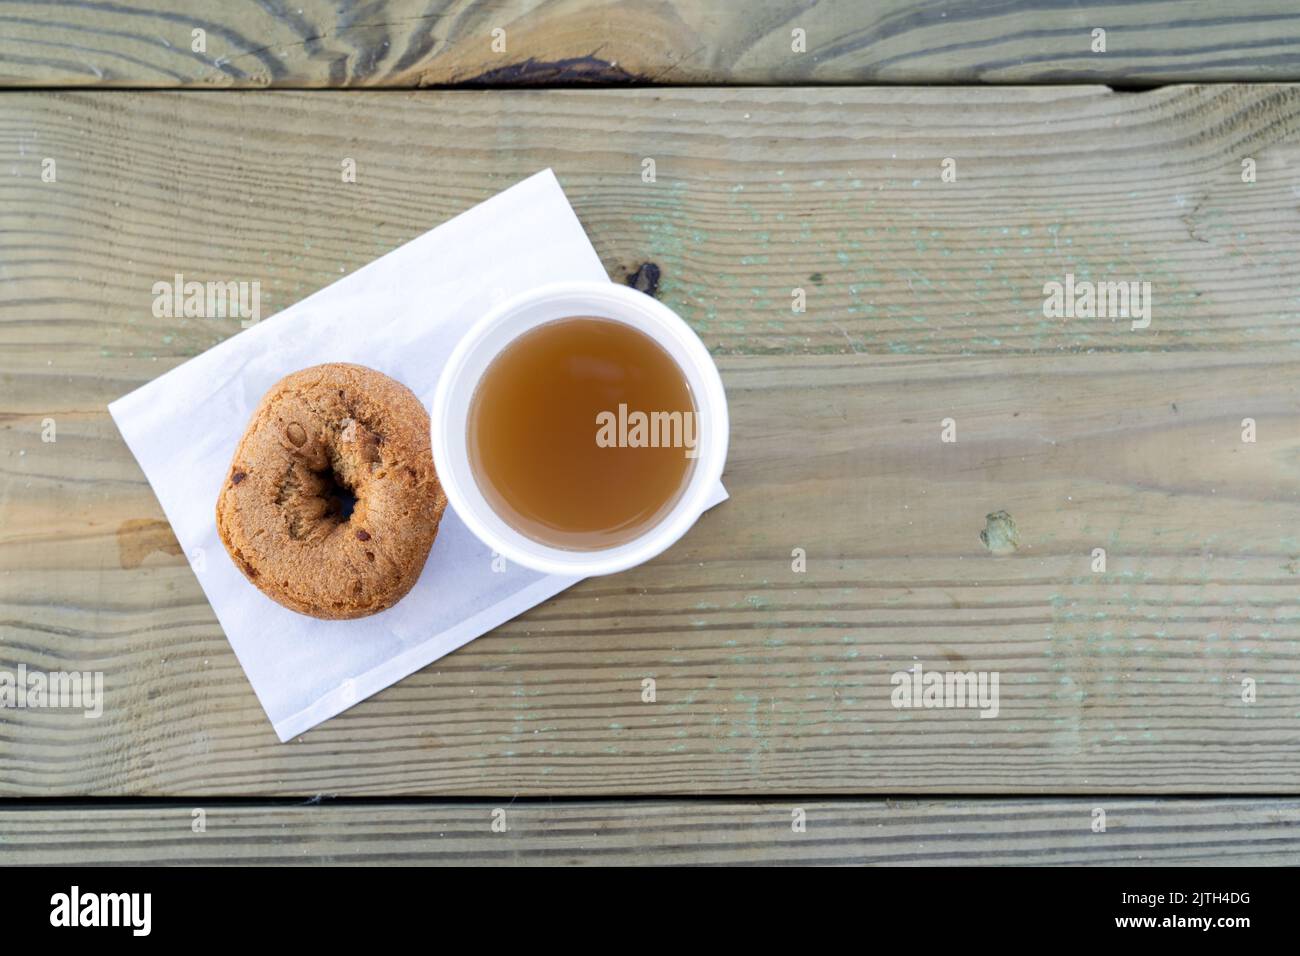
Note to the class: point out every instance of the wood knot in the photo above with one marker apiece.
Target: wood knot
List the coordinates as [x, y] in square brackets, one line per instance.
[645, 279]
[1000, 534]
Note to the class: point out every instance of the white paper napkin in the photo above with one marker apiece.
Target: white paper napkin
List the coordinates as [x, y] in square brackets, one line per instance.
[401, 314]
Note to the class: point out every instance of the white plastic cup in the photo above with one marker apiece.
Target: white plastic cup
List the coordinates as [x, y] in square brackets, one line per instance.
[485, 341]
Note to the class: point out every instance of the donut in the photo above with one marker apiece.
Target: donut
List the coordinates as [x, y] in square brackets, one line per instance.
[332, 502]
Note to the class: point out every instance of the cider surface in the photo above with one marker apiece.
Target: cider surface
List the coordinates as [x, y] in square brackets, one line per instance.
[578, 433]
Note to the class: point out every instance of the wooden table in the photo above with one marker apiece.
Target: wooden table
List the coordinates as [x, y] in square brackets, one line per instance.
[1122, 690]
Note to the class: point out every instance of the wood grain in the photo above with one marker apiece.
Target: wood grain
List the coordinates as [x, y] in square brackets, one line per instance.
[407, 43]
[1087, 433]
[1042, 832]
[757, 193]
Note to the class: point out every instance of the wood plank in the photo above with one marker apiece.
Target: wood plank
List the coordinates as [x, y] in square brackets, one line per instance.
[407, 43]
[1044, 832]
[1087, 433]
[757, 193]
[768, 679]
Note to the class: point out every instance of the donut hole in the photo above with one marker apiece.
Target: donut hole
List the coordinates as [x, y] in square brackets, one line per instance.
[336, 490]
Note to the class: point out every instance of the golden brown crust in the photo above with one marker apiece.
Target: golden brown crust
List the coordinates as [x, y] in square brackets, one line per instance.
[317, 435]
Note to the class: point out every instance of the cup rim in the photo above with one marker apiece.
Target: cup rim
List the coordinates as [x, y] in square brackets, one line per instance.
[449, 439]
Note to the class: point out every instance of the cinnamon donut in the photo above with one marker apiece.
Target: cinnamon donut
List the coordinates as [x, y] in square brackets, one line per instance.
[332, 503]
